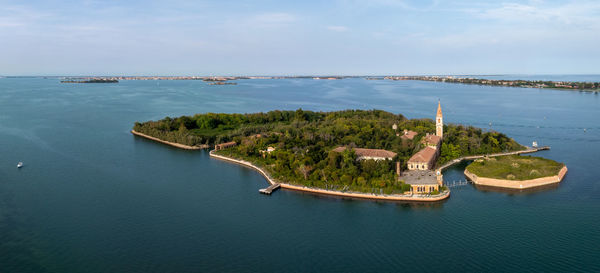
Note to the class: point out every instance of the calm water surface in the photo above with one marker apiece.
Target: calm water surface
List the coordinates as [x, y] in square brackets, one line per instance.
[93, 198]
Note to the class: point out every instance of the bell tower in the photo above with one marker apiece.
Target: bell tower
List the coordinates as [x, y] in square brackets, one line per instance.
[439, 123]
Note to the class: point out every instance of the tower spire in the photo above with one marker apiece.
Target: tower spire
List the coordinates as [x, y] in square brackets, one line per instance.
[439, 123]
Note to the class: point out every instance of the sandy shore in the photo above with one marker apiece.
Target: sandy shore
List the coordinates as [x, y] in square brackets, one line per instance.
[391, 197]
[170, 143]
[517, 184]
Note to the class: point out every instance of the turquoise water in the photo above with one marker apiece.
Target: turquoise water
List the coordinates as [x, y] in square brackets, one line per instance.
[93, 198]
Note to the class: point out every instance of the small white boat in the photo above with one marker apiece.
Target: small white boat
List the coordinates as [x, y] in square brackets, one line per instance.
[534, 144]
[20, 164]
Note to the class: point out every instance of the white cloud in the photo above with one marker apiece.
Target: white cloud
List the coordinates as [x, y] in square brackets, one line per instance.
[273, 18]
[20, 16]
[410, 5]
[10, 22]
[581, 13]
[517, 25]
[337, 28]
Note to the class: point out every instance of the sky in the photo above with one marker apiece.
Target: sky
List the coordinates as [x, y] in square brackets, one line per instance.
[263, 37]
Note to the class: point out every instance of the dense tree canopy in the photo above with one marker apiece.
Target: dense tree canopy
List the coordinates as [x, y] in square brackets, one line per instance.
[304, 140]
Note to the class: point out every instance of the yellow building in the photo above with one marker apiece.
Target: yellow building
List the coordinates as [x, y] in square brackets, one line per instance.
[425, 188]
[422, 181]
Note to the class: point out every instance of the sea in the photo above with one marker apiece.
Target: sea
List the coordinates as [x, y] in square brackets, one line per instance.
[91, 197]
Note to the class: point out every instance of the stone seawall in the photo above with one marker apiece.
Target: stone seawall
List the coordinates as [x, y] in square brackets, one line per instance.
[517, 184]
[204, 146]
[390, 197]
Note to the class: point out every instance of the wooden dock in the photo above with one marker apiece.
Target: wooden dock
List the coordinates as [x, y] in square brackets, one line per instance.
[270, 189]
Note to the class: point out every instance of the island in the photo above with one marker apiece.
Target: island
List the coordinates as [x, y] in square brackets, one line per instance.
[98, 80]
[219, 79]
[564, 85]
[222, 83]
[515, 171]
[355, 153]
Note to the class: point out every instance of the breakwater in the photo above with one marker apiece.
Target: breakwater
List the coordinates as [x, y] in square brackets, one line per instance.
[517, 184]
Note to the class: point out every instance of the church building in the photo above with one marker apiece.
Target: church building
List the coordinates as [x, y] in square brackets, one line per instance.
[425, 158]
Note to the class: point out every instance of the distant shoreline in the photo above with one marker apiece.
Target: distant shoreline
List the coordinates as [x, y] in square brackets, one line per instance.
[584, 86]
[539, 84]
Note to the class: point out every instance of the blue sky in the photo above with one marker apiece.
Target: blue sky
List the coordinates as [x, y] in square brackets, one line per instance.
[264, 37]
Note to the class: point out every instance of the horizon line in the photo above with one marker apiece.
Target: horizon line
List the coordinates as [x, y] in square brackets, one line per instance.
[308, 75]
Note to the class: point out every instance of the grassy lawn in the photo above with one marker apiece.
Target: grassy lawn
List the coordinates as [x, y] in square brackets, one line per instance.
[515, 167]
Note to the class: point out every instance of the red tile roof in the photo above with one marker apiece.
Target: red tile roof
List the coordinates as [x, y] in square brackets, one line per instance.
[425, 155]
[360, 152]
[409, 135]
[432, 140]
[226, 144]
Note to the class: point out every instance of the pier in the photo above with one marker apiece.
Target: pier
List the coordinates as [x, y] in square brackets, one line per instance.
[270, 189]
[458, 183]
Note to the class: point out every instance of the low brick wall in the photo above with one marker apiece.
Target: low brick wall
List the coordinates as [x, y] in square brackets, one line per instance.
[181, 146]
[368, 196]
[335, 193]
[517, 184]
